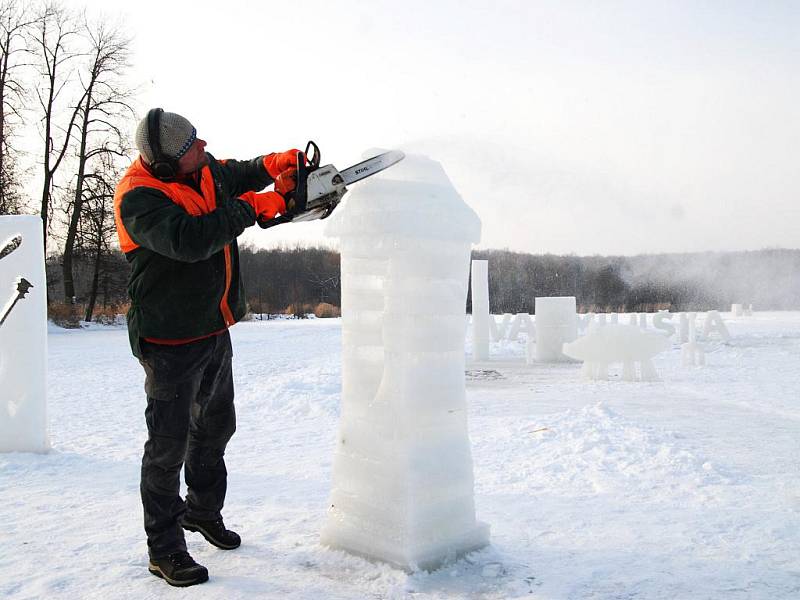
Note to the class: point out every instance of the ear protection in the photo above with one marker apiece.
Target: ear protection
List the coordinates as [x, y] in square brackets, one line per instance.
[163, 167]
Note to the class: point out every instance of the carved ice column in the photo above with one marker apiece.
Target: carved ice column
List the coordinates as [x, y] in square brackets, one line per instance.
[402, 472]
[23, 336]
[480, 310]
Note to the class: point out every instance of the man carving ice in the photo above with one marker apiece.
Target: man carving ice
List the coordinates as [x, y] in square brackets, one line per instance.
[178, 213]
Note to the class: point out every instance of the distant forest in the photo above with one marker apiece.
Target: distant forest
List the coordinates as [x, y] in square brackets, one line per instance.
[298, 280]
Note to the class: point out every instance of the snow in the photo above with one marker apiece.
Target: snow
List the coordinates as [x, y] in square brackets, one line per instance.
[686, 488]
[402, 470]
[23, 335]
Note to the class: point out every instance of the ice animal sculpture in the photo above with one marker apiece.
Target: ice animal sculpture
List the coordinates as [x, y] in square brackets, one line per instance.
[402, 470]
[23, 336]
[556, 323]
[627, 344]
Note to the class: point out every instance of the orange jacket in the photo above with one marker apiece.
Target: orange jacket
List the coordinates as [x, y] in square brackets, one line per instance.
[180, 239]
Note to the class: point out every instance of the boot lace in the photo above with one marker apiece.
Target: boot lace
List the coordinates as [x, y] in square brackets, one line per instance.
[182, 560]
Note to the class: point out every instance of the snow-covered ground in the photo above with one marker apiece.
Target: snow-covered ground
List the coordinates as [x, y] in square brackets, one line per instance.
[687, 488]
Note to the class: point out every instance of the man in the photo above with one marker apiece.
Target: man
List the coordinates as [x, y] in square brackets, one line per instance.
[178, 213]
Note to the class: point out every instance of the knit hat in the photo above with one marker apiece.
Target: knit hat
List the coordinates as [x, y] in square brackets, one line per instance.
[176, 135]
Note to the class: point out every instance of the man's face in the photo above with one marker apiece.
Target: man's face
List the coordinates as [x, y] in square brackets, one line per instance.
[194, 159]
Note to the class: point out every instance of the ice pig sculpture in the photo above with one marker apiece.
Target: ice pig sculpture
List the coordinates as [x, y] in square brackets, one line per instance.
[627, 344]
[402, 470]
[23, 336]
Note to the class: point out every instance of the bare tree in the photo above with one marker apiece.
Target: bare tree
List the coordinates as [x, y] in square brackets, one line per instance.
[97, 227]
[55, 36]
[15, 20]
[102, 115]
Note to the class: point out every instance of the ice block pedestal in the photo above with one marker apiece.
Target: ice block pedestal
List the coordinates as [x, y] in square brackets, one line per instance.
[556, 324]
[23, 336]
[402, 470]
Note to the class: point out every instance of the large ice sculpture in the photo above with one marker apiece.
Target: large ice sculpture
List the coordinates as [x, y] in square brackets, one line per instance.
[402, 471]
[23, 336]
[555, 324]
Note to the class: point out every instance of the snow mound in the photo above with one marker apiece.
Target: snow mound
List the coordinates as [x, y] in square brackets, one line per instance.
[594, 450]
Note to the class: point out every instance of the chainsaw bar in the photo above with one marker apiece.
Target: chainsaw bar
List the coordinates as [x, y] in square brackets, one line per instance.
[373, 165]
[320, 189]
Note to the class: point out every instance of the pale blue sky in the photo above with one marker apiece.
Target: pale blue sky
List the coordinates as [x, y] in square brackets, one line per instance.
[584, 127]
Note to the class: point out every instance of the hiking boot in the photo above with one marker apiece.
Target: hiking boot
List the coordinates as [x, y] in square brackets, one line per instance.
[178, 569]
[214, 532]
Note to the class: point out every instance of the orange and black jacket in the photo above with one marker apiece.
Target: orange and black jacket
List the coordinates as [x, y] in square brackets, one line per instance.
[180, 239]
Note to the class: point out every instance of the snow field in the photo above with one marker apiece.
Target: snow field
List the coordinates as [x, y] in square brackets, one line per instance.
[685, 488]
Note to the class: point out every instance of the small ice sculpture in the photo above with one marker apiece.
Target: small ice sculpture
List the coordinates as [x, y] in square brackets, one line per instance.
[522, 323]
[583, 322]
[692, 353]
[402, 471]
[627, 344]
[480, 310]
[715, 324]
[661, 321]
[23, 336]
[556, 323]
[499, 331]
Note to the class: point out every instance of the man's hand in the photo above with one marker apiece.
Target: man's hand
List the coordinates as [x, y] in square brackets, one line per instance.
[276, 163]
[286, 182]
[266, 204]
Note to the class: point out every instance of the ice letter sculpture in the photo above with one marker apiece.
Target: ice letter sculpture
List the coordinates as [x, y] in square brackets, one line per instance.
[23, 336]
[402, 470]
[627, 344]
[556, 323]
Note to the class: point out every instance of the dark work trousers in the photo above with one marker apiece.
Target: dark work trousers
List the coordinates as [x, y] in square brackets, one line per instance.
[190, 418]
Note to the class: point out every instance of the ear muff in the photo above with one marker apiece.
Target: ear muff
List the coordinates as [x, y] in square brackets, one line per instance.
[162, 167]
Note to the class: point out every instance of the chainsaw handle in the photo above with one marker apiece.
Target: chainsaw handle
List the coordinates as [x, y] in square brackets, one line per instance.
[266, 223]
[313, 155]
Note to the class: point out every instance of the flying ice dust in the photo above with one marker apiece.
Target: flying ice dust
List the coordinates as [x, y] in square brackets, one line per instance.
[402, 471]
[23, 336]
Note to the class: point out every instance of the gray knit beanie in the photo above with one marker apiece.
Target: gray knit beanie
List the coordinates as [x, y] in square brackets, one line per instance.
[176, 135]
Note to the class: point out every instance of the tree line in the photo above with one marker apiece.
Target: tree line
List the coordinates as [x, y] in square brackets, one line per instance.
[297, 280]
[63, 82]
[768, 279]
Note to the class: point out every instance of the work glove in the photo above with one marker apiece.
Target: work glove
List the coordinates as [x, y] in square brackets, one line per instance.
[265, 204]
[276, 163]
[286, 182]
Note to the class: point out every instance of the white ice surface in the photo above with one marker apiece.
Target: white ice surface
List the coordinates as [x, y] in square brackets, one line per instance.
[687, 488]
[402, 470]
[23, 336]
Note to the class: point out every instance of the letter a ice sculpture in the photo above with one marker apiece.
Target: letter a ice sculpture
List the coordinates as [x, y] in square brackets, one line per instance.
[402, 471]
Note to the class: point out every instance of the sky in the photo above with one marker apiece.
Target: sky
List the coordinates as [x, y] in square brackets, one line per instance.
[569, 127]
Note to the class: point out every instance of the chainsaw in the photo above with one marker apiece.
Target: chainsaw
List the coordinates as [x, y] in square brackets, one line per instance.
[320, 189]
